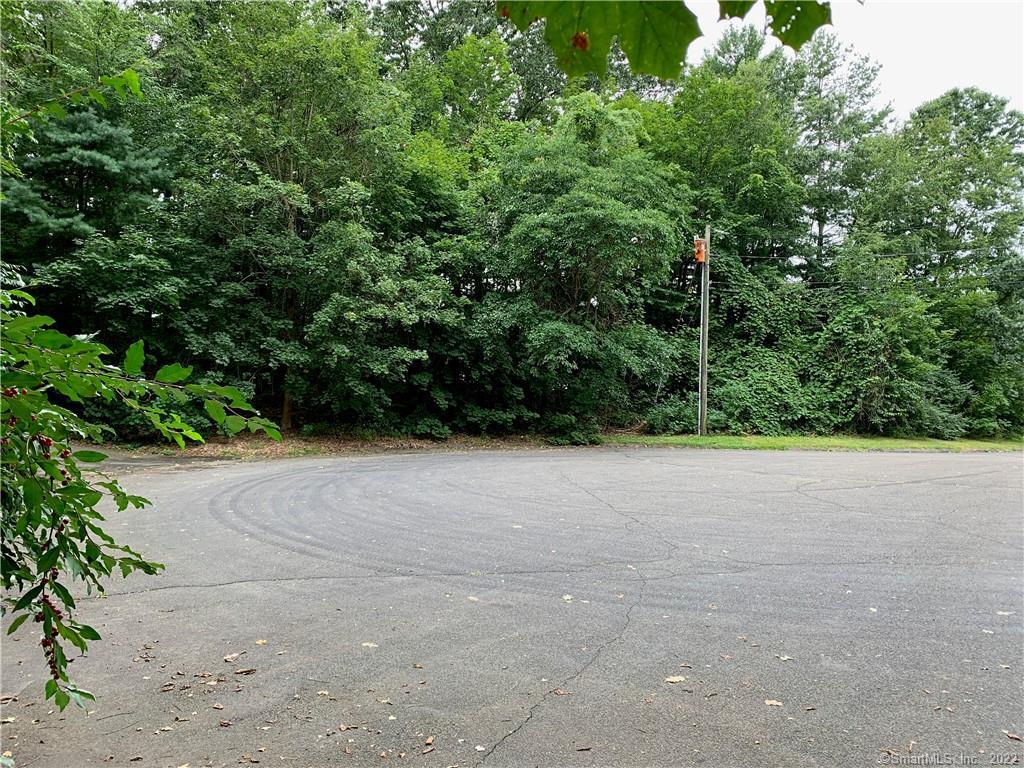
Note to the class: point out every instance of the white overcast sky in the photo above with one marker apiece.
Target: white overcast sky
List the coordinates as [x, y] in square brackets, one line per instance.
[925, 47]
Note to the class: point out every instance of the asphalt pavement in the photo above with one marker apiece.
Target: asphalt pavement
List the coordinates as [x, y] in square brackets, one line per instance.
[611, 606]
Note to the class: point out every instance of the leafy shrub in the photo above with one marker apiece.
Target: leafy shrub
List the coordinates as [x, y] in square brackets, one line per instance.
[673, 416]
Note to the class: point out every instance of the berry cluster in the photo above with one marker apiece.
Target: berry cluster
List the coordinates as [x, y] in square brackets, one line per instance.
[45, 443]
[13, 392]
[49, 649]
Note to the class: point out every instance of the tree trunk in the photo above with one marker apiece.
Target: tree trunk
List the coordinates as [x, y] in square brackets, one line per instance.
[286, 412]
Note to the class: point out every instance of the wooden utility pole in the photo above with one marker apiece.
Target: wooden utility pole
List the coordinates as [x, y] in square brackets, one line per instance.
[704, 259]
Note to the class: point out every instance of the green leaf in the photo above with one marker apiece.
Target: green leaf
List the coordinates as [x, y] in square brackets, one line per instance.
[48, 560]
[24, 296]
[134, 358]
[28, 597]
[55, 109]
[80, 696]
[734, 9]
[52, 339]
[72, 637]
[173, 373]
[655, 35]
[62, 699]
[234, 424]
[88, 632]
[90, 457]
[131, 79]
[97, 96]
[66, 389]
[794, 22]
[215, 409]
[17, 623]
[32, 492]
[579, 32]
[25, 323]
[63, 594]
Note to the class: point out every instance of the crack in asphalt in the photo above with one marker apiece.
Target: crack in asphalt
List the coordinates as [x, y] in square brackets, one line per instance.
[373, 576]
[619, 634]
[673, 547]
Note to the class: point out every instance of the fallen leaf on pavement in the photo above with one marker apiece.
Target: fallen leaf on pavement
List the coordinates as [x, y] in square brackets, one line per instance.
[232, 656]
[245, 671]
[369, 645]
[567, 598]
[784, 658]
[225, 723]
[218, 706]
[675, 679]
[323, 693]
[560, 692]
[480, 749]
[429, 741]
[428, 749]
[417, 666]
[773, 703]
[1013, 736]
[261, 641]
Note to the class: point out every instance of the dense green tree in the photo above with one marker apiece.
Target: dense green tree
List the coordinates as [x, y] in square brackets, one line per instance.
[404, 217]
[835, 111]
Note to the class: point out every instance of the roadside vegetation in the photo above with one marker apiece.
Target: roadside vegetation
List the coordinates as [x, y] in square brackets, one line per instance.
[404, 218]
[818, 443]
[257, 447]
